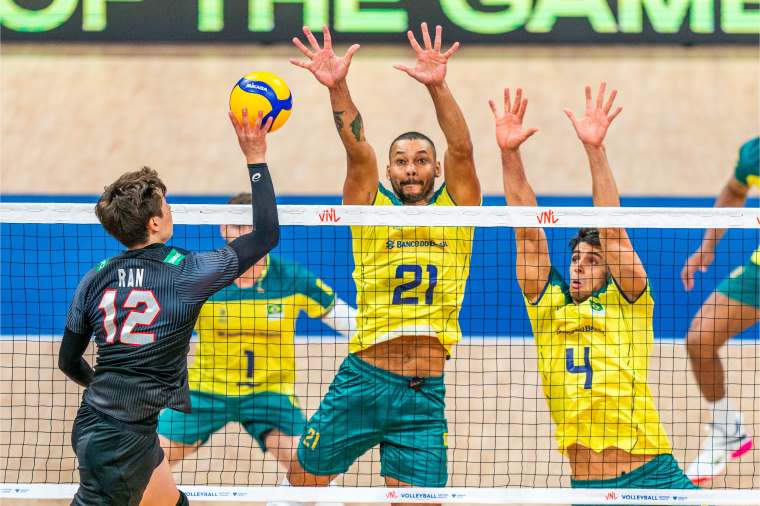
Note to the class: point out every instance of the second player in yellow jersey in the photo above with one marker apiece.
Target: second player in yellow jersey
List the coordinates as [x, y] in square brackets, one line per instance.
[593, 334]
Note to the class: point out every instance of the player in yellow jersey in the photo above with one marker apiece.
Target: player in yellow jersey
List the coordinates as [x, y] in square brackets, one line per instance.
[244, 368]
[410, 283]
[594, 334]
[731, 309]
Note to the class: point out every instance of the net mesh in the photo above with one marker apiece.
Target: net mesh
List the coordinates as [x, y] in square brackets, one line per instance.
[500, 429]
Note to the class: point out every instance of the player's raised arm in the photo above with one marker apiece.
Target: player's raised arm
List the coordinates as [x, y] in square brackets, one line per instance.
[430, 70]
[591, 128]
[205, 273]
[733, 194]
[533, 263]
[360, 185]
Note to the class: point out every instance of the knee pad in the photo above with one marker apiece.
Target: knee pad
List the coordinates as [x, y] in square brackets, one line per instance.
[182, 501]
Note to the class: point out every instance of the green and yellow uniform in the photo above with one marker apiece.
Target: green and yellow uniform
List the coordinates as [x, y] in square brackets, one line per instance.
[743, 284]
[244, 367]
[593, 358]
[409, 281]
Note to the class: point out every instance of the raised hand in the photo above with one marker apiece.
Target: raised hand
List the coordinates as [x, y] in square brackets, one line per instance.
[430, 68]
[252, 135]
[592, 126]
[328, 68]
[510, 133]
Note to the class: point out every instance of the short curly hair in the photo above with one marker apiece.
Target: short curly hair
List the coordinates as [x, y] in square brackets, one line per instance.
[128, 203]
[587, 235]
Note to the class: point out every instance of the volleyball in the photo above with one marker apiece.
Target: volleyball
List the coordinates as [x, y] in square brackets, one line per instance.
[262, 91]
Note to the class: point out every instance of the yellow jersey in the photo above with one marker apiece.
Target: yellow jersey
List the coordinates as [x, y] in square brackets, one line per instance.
[409, 280]
[246, 334]
[593, 358]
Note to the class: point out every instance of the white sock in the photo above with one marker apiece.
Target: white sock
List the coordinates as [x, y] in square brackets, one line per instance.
[284, 482]
[725, 416]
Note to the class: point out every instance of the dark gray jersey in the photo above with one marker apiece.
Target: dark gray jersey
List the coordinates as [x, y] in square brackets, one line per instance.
[141, 307]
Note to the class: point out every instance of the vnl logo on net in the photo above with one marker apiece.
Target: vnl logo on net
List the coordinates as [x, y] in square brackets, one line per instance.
[614, 497]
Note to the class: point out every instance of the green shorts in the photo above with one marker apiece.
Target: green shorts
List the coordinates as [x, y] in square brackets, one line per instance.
[743, 285]
[257, 413]
[661, 472]
[367, 406]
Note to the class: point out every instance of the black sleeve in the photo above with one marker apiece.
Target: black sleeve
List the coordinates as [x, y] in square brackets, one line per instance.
[250, 248]
[70, 359]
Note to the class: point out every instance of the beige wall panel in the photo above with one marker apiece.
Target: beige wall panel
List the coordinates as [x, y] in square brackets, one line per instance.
[500, 428]
[74, 118]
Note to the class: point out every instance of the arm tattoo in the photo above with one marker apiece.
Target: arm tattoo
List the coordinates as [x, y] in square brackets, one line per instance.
[337, 117]
[357, 127]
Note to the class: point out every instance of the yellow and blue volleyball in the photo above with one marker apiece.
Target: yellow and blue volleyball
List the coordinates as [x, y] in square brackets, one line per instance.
[262, 91]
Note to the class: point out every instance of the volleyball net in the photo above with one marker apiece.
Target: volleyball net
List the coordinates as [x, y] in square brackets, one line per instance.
[500, 387]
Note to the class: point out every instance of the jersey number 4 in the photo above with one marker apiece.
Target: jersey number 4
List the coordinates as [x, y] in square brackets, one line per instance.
[586, 369]
[147, 316]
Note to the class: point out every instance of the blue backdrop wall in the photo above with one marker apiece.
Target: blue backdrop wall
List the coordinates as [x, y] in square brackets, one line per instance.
[40, 266]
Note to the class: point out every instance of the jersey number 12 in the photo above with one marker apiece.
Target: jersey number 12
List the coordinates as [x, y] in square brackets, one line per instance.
[145, 317]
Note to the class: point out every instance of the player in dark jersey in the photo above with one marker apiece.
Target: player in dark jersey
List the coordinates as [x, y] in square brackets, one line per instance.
[140, 307]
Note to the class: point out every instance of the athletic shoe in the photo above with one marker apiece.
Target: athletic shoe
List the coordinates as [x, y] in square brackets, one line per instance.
[718, 448]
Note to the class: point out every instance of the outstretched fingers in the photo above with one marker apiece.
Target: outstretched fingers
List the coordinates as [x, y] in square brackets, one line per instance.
[426, 36]
[507, 101]
[311, 38]
[610, 101]
[614, 115]
[413, 42]
[403, 68]
[299, 63]
[570, 115]
[518, 102]
[494, 111]
[327, 38]
[351, 51]
[600, 95]
[267, 126]
[438, 38]
[256, 124]
[453, 49]
[235, 123]
[523, 108]
[302, 47]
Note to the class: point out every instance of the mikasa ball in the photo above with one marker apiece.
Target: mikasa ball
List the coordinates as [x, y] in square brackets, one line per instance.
[262, 91]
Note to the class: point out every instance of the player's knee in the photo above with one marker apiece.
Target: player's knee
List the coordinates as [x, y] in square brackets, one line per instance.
[700, 345]
[182, 501]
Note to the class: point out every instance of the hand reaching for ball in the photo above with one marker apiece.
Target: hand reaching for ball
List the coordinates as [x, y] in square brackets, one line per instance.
[251, 134]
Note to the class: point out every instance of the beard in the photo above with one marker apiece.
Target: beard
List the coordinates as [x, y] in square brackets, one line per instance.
[412, 198]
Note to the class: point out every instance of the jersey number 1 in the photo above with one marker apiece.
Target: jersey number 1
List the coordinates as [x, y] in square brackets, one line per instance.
[145, 317]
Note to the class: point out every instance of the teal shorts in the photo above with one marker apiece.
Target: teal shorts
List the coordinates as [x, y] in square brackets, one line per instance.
[367, 406]
[257, 413]
[743, 285]
[661, 472]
